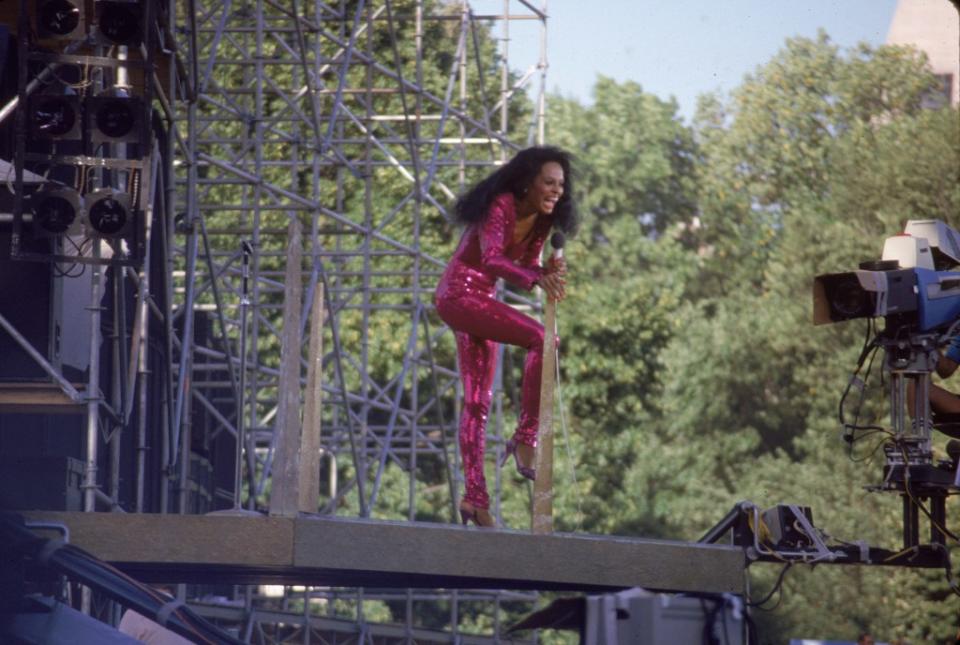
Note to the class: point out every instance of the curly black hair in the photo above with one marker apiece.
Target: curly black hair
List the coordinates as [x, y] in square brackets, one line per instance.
[515, 177]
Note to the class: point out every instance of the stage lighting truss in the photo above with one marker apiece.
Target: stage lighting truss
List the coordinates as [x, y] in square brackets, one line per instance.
[114, 117]
[119, 22]
[60, 19]
[109, 214]
[105, 127]
[55, 117]
[56, 211]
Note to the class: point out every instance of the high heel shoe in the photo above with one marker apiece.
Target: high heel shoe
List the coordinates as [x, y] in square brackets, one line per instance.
[511, 449]
[479, 516]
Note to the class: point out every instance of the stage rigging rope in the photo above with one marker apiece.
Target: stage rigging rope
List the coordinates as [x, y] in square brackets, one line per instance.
[571, 464]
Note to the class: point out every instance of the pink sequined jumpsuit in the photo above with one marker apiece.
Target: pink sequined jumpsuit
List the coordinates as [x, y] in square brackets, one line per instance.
[465, 300]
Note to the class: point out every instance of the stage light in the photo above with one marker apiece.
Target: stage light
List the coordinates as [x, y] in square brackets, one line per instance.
[120, 22]
[114, 117]
[55, 117]
[60, 19]
[109, 213]
[56, 212]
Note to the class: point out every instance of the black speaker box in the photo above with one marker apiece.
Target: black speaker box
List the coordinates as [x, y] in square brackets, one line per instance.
[49, 483]
[25, 290]
[48, 305]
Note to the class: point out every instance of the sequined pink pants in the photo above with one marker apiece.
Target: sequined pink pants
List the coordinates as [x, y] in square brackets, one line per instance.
[481, 322]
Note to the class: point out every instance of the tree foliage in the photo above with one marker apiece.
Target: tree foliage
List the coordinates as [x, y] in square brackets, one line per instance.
[636, 157]
[693, 374]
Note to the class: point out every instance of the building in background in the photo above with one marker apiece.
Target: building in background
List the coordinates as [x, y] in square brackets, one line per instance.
[933, 26]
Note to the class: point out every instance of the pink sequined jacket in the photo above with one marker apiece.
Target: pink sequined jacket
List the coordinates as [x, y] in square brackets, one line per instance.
[487, 252]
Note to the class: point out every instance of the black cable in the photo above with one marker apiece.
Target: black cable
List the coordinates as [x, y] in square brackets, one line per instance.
[777, 586]
[948, 569]
[139, 597]
[872, 352]
[723, 622]
[941, 527]
[873, 453]
[79, 565]
[851, 430]
[916, 502]
[707, 637]
[869, 349]
[69, 271]
[952, 331]
[753, 636]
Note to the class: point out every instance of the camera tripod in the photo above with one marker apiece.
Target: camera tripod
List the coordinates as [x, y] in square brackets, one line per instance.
[910, 468]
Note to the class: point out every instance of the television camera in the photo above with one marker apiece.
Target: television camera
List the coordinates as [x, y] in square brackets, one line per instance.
[915, 288]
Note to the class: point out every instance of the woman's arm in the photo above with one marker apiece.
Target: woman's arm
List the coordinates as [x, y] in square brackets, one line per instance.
[552, 278]
[493, 242]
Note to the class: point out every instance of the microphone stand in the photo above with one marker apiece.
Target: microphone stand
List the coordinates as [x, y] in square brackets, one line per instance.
[542, 516]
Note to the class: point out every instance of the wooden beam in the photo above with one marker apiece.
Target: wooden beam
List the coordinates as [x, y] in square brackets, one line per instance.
[313, 400]
[46, 398]
[285, 481]
[542, 505]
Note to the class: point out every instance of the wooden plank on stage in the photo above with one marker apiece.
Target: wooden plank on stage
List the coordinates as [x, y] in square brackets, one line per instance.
[353, 552]
[179, 539]
[38, 397]
[515, 559]
[285, 473]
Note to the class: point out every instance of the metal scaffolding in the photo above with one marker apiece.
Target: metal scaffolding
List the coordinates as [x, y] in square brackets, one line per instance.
[323, 144]
[296, 165]
[326, 129]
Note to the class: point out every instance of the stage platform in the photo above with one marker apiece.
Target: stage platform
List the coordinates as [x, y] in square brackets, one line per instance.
[332, 551]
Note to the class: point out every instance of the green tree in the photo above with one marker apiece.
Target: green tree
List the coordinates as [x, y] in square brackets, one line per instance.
[635, 156]
[812, 161]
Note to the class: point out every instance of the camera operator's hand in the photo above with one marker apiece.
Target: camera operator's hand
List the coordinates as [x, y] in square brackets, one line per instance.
[946, 367]
[553, 283]
[949, 358]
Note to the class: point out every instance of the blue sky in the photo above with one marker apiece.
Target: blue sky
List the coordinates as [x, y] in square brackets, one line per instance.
[683, 48]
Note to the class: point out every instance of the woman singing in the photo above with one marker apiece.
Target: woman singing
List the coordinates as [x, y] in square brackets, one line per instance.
[508, 216]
